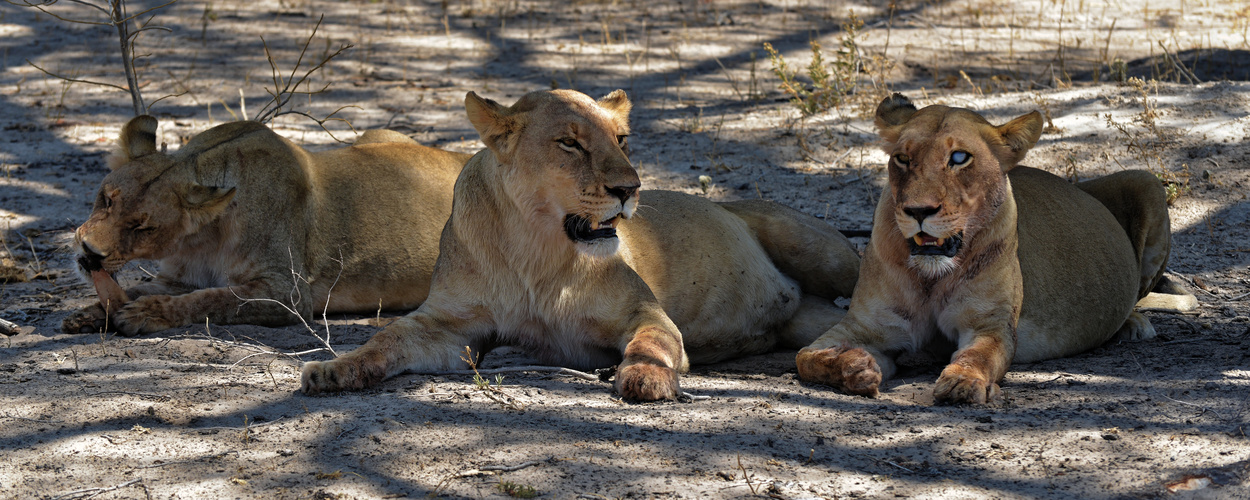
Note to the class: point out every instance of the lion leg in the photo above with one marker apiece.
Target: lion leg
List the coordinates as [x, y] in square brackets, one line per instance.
[975, 369]
[421, 341]
[251, 303]
[94, 318]
[1137, 201]
[849, 357]
[814, 317]
[651, 361]
[805, 248]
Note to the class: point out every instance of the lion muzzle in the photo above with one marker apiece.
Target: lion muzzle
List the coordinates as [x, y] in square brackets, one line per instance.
[925, 244]
[581, 229]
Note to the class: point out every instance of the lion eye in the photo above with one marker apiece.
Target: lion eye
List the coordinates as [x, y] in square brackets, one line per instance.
[622, 141]
[902, 159]
[569, 143]
[959, 159]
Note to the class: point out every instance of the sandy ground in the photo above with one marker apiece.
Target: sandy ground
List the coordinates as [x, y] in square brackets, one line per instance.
[211, 411]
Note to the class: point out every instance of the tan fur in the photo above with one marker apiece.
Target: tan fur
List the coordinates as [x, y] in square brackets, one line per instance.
[238, 210]
[1046, 269]
[684, 279]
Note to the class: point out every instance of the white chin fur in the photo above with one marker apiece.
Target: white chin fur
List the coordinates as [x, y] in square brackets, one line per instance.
[600, 248]
[932, 266]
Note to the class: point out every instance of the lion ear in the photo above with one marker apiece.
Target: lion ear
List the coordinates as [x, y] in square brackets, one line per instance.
[618, 104]
[892, 114]
[1019, 135]
[493, 121]
[138, 138]
[205, 202]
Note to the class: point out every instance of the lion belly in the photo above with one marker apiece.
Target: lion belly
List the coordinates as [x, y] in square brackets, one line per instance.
[710, 275]
[1080, 273]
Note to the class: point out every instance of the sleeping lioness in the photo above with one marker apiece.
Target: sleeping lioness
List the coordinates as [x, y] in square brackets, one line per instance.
[241, 213]
[1008, 263]
[551, 248]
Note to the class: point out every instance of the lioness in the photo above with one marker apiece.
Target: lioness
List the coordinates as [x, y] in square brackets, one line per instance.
[1006, 262]
[538, 254]
[241, 213]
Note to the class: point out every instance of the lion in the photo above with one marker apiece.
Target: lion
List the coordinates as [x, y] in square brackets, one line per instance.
[1006, 262]
[250, 228]
[552, 248]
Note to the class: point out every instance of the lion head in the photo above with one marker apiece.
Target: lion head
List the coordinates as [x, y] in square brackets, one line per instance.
[148, 203]
[564, 159]
[947, 175]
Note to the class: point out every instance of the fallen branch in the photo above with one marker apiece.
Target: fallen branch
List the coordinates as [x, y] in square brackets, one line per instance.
[514, 369]
[8, 328]
[197, 460]
[86, 493]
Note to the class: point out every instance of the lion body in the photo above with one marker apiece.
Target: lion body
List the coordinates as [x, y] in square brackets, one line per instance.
[248, 227]
[1003, 263]
[524, 262]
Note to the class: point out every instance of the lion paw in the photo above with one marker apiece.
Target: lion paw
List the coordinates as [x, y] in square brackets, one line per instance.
[646, 382]
[852, 370]
[144, 315]
[90, 319]
[343, 374]
[1136, 327]
[960, 384]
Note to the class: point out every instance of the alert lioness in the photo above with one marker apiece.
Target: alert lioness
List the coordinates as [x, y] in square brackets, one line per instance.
[241, 213]
[1006, 262]
[548, 249]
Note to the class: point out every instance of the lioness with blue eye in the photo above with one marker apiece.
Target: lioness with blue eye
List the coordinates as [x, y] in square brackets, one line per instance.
[552, 249]
[1003, 263]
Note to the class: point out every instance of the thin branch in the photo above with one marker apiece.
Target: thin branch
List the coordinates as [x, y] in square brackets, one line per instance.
[75, 80]
[514, 369]
[84, 494]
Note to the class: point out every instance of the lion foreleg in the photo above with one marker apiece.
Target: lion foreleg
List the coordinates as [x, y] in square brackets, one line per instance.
[850, 357]
[976, 368]
[651, 361]
[93, 318]
[418, 342]
[256, 302]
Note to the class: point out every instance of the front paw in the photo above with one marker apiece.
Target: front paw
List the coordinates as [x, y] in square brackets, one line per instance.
[852, 370]
[90, 319]
[961, 384]
[342, 374]
[646, 382]
[145, 315]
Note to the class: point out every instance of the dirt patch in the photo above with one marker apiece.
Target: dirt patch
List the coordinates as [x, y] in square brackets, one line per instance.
[210, 411]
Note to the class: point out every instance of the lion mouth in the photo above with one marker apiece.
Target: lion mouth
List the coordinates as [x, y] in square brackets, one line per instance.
[581, 229]
[925, 244]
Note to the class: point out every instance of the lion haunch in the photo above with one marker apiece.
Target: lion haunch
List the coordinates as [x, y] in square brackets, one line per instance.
[249, 227]
[1008, 263]
[548, 249]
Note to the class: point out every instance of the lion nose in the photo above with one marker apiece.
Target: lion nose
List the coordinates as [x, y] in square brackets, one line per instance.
[624, 193]
[921, 213]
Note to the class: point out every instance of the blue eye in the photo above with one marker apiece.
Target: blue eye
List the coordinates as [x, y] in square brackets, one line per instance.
[959, 158]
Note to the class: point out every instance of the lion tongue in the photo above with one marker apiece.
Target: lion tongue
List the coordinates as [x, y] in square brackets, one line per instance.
[111, 295]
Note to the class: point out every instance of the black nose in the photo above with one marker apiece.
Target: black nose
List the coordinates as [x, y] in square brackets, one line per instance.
[623, 192]
[920, 213]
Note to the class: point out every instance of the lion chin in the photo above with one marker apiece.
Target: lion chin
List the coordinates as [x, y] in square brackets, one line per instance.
[934, 257]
